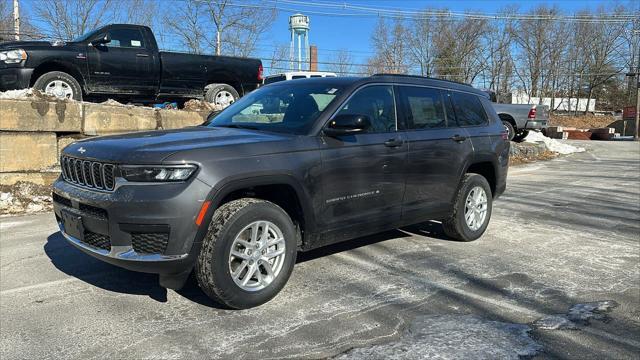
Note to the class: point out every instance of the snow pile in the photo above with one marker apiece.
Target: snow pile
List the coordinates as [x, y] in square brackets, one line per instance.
[17, 94]
[24, 197]
[552, 144]
[27, 94]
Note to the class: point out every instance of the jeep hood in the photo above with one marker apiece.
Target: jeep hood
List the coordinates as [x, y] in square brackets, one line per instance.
[152, 147]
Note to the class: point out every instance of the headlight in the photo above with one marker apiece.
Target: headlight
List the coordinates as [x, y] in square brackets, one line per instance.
[159, 173]
[13, 56]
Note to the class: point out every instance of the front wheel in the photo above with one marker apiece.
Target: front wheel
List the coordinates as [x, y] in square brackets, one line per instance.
[248, 253]
[471, 209]
[60, 85]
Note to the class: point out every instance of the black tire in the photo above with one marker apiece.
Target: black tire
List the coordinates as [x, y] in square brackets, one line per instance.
[519, 137]
[47, 78]
[212, 267]
[215, 93]
[510, 130]
[455, 226]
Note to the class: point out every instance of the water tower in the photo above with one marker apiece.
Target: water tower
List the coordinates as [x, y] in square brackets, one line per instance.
[299, 26]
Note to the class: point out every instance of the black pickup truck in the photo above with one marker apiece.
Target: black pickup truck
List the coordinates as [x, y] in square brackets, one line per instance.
[123, 62]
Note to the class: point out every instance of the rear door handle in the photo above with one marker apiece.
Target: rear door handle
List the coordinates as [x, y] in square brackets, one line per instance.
[393, 143]
[458, 138]
[142, 55]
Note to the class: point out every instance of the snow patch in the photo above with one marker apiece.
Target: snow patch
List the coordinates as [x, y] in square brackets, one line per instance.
[454, 337]
[552, 144]
[578, 314]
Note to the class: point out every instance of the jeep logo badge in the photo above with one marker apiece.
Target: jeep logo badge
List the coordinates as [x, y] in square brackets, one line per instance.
[81, 150]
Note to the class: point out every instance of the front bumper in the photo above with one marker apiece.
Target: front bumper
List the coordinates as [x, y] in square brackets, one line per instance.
[141, 227]
[15, 78]
[536, 124]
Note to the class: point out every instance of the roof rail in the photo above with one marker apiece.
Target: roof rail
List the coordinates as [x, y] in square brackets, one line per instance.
[422, 77]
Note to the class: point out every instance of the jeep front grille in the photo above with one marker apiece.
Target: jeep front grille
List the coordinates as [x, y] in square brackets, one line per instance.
[88, 174]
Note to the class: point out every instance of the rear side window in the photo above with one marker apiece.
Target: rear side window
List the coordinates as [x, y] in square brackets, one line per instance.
[126, 38]
[468, 109]
[424, 107]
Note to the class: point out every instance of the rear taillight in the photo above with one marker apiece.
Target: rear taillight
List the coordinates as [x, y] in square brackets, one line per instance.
[532, 113]
[260, 72]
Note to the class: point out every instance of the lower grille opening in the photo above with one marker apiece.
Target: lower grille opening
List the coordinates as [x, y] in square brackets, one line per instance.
[97, 240]
[61, 200]
[93, 211]
[150, 243]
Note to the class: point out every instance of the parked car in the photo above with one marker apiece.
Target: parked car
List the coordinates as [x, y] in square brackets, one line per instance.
[293, 166]
[296, 75]
[123, 61]
[518, 119]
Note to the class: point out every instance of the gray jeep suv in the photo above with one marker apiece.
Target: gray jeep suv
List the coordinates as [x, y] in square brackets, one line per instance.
[290, 167]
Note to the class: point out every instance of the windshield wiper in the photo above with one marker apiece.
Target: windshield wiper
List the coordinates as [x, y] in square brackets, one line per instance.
[238, 126]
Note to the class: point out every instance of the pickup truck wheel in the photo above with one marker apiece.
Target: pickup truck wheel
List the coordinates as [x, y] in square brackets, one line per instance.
[221, 95]
[519, 137]
[248, 253]
[510, 131]
[59, 84]
[471, 211]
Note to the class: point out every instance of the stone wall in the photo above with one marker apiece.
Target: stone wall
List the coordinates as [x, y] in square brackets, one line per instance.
[33, 132]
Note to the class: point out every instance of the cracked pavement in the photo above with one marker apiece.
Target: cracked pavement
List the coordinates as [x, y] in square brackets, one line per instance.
[565, 235]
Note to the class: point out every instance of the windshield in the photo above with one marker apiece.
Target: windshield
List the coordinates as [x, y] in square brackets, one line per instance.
[287, 108]
[86, 36]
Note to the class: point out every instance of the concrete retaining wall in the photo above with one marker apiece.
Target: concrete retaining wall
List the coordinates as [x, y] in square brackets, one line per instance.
[33, 132]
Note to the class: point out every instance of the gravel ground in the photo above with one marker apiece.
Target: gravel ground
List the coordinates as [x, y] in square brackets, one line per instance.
[556, 276]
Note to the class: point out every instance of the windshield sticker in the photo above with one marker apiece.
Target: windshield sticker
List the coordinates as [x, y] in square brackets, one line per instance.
[136, 43]
[331, 91]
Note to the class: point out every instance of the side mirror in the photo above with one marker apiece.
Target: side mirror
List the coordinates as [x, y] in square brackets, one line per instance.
[103, 40]
[347, 124]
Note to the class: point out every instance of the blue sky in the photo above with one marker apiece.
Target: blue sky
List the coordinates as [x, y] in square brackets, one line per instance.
[334, 32]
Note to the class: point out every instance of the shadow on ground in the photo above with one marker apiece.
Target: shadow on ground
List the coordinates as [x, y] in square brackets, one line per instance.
[73, 262]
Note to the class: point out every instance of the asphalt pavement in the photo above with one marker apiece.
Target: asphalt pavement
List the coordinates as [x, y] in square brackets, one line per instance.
[557, 275]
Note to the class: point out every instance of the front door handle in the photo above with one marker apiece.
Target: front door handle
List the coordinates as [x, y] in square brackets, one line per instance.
[142, 55]
[458, 138]
[393, 143]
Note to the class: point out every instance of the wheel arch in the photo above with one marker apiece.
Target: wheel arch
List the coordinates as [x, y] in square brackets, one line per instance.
[283, 190]
[508, 118]
[53, 65]
[486, 169]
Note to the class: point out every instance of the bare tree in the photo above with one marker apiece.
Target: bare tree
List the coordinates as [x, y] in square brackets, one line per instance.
[279, 58]
[603, 64]
[220, 26]
[68, 19]
[341, 63]
[390, 48]
[497, 60]
[421, 49]
[459, 48]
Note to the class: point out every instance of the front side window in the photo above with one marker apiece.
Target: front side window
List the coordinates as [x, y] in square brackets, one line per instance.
[375, 102]
[126, 38]
[468, 109]
[281, 107]
[424, 107]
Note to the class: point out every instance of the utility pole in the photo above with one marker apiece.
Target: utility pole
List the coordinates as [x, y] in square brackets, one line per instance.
[16, 19]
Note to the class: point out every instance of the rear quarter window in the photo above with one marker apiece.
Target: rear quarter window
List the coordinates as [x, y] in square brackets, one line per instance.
[468, 109]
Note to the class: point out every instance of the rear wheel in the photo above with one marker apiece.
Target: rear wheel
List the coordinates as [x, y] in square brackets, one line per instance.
[471, 209]
[248, 253]
[221, 95]
[510, 131]
[59, 84]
